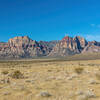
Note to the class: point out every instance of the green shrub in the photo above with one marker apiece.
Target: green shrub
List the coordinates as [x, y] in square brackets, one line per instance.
[17, 75]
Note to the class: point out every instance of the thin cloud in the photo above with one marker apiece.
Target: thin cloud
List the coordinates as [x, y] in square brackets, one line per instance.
[93, 37]
[95, 25]
[92, 25]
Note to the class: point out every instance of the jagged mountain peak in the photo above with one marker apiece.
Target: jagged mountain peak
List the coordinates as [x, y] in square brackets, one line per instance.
[23, 47]
[20, 38]
[66, 38]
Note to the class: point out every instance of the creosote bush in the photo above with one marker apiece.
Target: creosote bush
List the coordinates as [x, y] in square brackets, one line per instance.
[5, 72]
[17, 75]
[79, 70]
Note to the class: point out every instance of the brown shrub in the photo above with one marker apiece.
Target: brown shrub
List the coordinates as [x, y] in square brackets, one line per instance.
[5, 72]
[17, 75]
[79, 70]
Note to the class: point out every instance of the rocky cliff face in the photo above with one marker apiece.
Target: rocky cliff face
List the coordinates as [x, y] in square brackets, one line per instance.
[24, 47]
[69, 46]
[92, 47]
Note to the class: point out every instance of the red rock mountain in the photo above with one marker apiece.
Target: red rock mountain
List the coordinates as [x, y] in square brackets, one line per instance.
[92, 47]
[24, 47]
[69, 46]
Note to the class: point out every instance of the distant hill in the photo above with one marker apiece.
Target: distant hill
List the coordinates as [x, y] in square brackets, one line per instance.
[24, 47]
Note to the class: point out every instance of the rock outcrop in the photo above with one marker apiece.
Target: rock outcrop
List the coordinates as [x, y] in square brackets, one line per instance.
[24, 47]
[69, 46]
[92, 47]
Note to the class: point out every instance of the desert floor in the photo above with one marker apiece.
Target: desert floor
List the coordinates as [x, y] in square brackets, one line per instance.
[50, 80]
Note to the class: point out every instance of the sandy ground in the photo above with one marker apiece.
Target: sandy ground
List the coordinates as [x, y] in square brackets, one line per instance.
[50, 80]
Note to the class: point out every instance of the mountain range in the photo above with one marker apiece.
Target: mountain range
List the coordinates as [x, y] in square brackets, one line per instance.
[24, 47]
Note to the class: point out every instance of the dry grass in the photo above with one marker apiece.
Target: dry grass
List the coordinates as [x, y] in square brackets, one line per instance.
[97, 76]
[49, 80]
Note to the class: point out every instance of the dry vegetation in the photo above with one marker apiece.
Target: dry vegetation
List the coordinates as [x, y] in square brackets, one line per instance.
[50, 80]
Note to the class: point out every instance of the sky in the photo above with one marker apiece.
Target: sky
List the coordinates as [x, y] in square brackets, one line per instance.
[49, 19]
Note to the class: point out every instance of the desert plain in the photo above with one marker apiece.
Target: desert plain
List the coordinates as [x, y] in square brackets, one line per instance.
[50, 79]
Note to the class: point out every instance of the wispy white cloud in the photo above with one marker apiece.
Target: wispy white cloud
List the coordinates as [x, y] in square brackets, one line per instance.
[95, 25]
[93, 37]
[92, 25]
